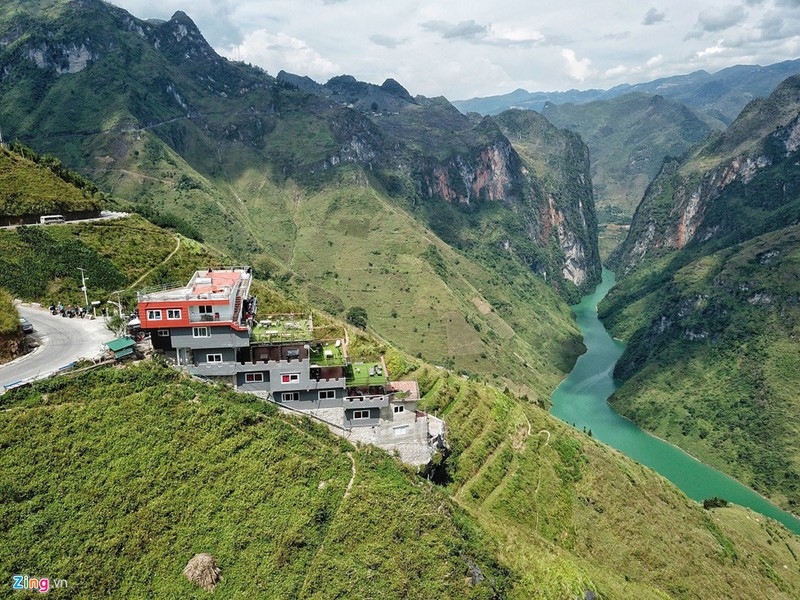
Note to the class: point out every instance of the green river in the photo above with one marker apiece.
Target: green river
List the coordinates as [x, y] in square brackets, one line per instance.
[581, 400]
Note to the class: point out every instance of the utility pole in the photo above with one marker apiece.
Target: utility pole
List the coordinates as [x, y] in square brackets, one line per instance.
[83, 287]
[119, 303]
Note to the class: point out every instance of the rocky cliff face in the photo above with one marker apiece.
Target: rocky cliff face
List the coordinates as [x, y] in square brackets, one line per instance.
[741, 183]
[432, 154]
[459, 174]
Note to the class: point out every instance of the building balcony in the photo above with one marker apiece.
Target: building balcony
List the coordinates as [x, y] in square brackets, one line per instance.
[380, 401]
[220, 369]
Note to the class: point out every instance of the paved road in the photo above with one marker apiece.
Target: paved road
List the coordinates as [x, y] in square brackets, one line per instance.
[105, 215]
[61, 340]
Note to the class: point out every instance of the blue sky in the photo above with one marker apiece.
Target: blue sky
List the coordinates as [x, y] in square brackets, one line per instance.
[461, 49]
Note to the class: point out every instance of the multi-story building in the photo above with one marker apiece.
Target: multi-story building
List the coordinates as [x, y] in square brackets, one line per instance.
[210, 328]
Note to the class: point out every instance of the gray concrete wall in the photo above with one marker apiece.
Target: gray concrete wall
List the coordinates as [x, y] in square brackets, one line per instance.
[309, 400]
[221, 337]
[374, 419]
[243, 385]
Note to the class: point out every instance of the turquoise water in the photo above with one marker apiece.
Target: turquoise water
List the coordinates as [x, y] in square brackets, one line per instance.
[581, 399]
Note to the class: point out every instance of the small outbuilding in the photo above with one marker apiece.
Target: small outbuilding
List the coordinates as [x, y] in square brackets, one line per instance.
[121, 347]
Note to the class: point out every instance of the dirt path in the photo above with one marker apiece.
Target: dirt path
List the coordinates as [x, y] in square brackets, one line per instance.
[171, 254]
[352, 477]
[309, 571]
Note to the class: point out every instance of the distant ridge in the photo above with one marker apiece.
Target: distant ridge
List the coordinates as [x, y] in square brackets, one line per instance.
[721, 95]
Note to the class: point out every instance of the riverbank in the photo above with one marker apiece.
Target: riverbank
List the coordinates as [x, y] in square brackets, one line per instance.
[582, 400]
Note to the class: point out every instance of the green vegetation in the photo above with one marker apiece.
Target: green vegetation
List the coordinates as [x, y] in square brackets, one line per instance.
[707, 301]
[712, 358]
[715, 502]
[570, 514]
[34, 185]
[11, 338]
[150, 468]
[9, 319]
[357, 315]
[41, 264]
[628, 138]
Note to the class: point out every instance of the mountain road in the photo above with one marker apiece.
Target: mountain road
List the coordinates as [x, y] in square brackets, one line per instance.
[61, 341]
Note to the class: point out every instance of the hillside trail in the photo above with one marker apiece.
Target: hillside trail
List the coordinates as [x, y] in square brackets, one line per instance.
[171, 254]
[304, 587]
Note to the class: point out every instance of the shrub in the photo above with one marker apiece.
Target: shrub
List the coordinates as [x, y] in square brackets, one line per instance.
[715, 502]
[357, 316]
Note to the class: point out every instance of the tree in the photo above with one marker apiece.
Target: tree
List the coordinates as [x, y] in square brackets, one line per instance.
[357, 316]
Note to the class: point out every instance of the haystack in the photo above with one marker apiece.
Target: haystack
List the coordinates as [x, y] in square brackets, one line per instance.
[203, 570]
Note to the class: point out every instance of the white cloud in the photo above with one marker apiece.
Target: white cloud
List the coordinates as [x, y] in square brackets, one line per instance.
[577, 68]
[463, 49]
[276, 51]
[711, 50]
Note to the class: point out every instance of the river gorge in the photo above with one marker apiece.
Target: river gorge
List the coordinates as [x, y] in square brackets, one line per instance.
[581, 400]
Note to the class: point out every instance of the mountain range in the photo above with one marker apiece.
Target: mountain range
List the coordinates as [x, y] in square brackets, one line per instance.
[708, 299]
[720, 95]
[632, 129]
[463, 237]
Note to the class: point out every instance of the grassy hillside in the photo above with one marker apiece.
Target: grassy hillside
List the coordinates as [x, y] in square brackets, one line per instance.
[535, 509]
[31, 185]
[151, 468]
[350, 245]
[712, 361]
[41, 264]
[571, 514]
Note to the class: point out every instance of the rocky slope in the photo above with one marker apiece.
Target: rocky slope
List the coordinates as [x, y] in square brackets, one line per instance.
[708, 300]
[628, 138]
[162, 83]
[739, 184]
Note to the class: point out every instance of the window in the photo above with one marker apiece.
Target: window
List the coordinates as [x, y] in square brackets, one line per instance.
[205, 310]
[154, 315]
[401, 430]
[398, 409]
[327, 394]
[163, 333]
[254, 377]
[360, 414]
[213, 358]
[200, 332]
[174, 314]
[290, 377]
[290, 396]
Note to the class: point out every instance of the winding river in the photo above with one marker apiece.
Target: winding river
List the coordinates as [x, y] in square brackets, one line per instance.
[581, 400]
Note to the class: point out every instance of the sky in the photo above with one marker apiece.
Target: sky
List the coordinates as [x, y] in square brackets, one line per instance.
[463, 48]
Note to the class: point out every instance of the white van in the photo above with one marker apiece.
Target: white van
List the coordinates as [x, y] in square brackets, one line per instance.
[51, 219]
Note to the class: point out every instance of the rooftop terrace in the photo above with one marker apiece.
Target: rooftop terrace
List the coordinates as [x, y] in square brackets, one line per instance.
[365, 374]
[277, 329]
[327, 354]
[208, 284]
